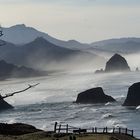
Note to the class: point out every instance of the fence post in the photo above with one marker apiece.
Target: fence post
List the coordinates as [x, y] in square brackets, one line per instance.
[95, 129]
[55, 126]
[59, 128]
[103, 130]
[92, 130]
[67, 128]
[132, 133]
[79, 130]
[106, 130]
[113, 130]
[126, 131]
[119, 130]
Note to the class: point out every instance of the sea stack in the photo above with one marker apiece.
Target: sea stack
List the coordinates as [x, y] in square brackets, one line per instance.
[117, 63]
[133, 96]
[93, 96]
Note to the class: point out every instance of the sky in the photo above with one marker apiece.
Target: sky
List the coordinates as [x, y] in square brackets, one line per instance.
[83, 20]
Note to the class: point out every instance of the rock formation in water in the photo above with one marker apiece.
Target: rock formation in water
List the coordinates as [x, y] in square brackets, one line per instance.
[117, 63]
[133, 96]
[94, 95]
[4, 105]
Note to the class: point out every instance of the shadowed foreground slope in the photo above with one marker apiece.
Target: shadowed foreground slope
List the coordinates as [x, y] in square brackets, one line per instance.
[46, 136]
[19, 131]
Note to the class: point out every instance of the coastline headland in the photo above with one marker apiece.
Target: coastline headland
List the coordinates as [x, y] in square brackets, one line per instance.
[19, 131]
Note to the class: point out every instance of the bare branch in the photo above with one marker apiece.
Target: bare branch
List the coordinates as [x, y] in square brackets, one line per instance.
[11, 94]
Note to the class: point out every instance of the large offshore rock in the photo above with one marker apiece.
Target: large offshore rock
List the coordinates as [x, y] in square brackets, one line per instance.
[133, 96]
[117, 63]
[4, 105]
[94, 95]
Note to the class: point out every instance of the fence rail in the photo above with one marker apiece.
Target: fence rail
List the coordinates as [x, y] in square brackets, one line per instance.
[59, 128]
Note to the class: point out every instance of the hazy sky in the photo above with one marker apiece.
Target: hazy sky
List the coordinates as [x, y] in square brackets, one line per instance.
[83, 20]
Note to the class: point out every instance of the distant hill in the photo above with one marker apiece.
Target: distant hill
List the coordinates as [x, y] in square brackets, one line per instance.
[41, 53]
[8, 70]
[21, 34]
[122, 45]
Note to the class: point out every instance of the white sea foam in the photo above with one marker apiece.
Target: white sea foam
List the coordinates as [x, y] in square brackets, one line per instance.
[106, 116]
[44, 127]
[11, 121]
[108, 104]
[93, 109]
[112, 122]
[60, 92]
[115, 123]
[138, 107]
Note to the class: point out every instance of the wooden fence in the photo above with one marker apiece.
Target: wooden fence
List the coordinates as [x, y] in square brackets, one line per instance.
[59, 128]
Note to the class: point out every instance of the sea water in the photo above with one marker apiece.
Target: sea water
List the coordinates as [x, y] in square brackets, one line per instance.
[52, 100]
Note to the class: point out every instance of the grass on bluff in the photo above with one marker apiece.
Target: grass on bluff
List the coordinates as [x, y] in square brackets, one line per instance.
[46, 136]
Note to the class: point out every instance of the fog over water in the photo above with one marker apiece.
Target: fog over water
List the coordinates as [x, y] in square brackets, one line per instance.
[70, 67]
[52, 101]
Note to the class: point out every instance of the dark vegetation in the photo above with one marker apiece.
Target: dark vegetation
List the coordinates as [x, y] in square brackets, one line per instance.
[16, 129]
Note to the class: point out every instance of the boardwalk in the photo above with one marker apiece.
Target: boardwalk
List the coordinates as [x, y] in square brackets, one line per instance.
[59, 128]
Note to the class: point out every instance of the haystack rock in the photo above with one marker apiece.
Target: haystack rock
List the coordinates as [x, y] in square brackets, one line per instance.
[93, 96]
[133, 96]
[117, 63]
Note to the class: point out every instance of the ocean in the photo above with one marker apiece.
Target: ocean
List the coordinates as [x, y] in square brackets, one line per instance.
[52, 100]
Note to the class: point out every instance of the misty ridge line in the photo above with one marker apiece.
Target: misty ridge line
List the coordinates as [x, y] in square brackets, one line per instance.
[24, 35]
[23, 27]
[39, 50]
